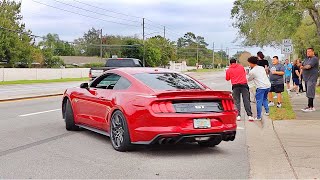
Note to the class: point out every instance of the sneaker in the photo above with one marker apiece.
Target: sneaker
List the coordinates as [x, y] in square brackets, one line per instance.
[279, 105]
[271, 104]
[267, 114]
[238, 118]
[304, 109]
[250, 118]
[258, 119]
[309, 109]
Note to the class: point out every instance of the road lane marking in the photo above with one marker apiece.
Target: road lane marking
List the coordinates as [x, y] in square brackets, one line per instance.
[41, 112]
[240, 128]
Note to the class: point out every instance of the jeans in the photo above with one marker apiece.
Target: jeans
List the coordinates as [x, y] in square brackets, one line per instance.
[262, 99]
[244, 90]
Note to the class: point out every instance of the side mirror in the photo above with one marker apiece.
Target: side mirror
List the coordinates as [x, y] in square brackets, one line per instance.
[84, 85]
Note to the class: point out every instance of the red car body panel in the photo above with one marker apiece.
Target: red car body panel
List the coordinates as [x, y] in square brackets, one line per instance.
[93, 107]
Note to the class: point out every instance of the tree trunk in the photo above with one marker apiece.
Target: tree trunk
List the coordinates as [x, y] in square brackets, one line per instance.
[314, 13]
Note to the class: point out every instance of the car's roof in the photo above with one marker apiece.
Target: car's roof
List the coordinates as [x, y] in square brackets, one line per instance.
[138, 70]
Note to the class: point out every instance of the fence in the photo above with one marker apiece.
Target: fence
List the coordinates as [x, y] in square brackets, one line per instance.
[14, 74]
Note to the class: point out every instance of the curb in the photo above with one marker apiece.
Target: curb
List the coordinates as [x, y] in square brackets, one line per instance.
[30, 97]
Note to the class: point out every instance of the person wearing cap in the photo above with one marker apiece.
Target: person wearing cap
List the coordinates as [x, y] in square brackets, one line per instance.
[237, 74]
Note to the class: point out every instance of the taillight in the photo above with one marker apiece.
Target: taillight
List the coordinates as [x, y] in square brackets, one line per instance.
[162, 107]
[228, 105]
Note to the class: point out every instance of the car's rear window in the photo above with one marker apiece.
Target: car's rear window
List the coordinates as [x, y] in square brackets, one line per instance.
[168, 81]
[122, 63]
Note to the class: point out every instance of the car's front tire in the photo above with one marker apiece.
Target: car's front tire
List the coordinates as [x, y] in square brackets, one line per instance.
[69, 117]
[119, 132]
[212, 142]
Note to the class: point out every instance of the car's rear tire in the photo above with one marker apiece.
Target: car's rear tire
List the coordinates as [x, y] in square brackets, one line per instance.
[119, 132]
[69, 117]
[212, 142]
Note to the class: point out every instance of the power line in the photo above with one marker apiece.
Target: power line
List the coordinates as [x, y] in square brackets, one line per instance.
[84, 15]
[95, 12]
[107, 9]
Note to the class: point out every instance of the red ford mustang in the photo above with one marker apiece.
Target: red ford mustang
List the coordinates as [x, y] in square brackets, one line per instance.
[150, 106]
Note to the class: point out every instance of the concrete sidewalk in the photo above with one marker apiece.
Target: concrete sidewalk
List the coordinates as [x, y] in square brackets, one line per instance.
[300, 138]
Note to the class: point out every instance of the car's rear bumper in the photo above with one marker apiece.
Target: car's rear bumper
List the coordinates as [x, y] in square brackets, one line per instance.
[174, 138]
[152, 128]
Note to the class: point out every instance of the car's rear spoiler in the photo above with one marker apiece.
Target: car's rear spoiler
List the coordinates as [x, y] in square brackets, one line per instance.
[200, 94]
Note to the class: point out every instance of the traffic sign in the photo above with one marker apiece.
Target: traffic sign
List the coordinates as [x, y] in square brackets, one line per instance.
[286, 49]
[286, 41]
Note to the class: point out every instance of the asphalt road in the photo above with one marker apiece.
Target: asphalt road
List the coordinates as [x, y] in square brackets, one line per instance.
[35, 144]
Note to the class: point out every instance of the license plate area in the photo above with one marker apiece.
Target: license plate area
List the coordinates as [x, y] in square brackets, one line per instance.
[201, 123]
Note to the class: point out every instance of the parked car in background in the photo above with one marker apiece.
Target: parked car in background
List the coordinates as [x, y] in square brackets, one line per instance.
[113, 63]
[150, 106]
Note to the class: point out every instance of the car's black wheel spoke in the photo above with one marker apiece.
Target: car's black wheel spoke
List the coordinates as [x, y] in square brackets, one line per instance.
[117, 131]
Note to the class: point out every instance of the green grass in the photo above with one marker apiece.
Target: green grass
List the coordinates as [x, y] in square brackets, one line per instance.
[205, 70]
[284, 113]
[318, 90]
[43, 81]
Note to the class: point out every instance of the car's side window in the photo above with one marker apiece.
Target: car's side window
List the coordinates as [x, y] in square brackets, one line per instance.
[106, 82]
[122, 84]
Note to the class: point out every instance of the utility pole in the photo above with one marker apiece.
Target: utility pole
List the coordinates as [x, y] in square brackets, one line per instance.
[164, 31]
[198, 54]
[213, 55]
[144, 48]
[101, 44]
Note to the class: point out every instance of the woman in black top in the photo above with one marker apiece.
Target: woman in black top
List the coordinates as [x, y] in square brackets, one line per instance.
[262, 62]
[296, 75]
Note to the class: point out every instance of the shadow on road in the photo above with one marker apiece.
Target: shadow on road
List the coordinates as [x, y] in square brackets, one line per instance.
[184, 149]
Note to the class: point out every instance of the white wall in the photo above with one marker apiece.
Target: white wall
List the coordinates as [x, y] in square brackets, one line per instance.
[13, 74]
[1, 74]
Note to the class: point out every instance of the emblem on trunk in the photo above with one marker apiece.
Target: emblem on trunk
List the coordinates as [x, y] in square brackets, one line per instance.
[199, 107]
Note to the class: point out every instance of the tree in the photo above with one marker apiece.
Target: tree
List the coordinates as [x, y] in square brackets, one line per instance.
[58, 47]
[89, 43]
[15, 41]
[267, 22]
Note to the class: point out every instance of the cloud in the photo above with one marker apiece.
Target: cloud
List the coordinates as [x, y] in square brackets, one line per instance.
[208, 18]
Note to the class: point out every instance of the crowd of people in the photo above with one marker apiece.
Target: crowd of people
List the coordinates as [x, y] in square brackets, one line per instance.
[259, 84]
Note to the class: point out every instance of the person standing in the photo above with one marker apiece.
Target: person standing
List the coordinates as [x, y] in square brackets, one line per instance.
[262, 62]
[262, 83]
[277, 81]
[296, 76]
[310, 69]
[287, 73]
[237, 74]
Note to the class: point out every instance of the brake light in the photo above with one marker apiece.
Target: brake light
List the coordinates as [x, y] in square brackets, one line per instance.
[120, 58]
[228, 105]
[162, 107]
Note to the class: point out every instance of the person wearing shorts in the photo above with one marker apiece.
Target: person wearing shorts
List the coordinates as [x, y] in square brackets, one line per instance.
[296, 76]
[276, 73]
[287, 73]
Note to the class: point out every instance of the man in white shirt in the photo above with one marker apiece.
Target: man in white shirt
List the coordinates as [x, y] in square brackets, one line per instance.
[262, 83]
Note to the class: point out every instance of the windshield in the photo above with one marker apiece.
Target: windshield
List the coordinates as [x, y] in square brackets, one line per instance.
[168, 81]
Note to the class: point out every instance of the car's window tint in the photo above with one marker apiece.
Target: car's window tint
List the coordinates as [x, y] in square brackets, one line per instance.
[106, 82]
[168, 81]
[123, 83]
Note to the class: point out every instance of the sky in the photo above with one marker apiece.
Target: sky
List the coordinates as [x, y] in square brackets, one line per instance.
[72, 18]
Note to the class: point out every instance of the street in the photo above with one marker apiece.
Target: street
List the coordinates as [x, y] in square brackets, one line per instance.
[35, 144]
